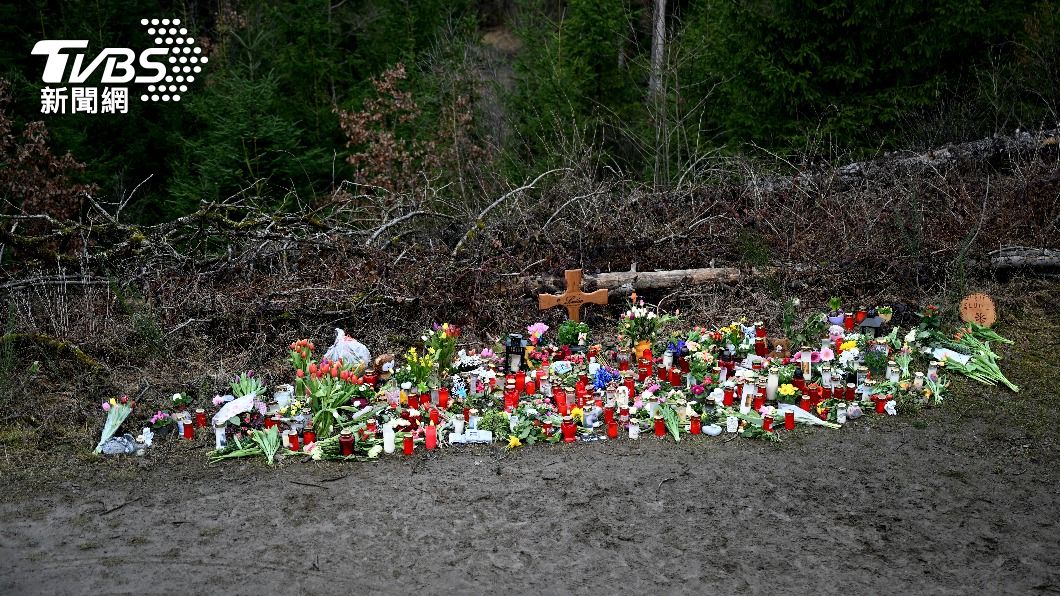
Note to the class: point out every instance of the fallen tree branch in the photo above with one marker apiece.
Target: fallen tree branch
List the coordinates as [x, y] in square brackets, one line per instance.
[58, 345]
[501, 199]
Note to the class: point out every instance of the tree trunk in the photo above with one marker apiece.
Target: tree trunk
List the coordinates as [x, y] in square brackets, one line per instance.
[655, 83]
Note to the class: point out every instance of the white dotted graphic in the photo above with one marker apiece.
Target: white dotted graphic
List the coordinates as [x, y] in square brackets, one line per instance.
[184, 56]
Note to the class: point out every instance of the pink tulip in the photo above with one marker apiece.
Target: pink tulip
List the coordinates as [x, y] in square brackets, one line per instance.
[106, 406]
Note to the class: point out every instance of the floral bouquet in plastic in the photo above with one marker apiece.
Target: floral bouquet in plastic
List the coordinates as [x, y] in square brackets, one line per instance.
[117, 411]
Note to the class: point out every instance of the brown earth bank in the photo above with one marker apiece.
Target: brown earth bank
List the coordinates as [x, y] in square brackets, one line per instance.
[958, 499]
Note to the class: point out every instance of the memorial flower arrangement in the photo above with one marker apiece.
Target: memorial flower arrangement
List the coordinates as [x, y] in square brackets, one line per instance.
[712, 378]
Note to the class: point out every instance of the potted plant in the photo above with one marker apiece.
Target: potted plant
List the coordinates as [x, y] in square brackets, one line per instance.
[573, 334]
[162, 423]
[180, 401]
[885, 313]
[835, 311]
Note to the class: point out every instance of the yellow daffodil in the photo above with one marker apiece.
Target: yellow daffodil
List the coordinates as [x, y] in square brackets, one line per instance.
[787, 389]
[577, 415]
[513, 442]
[848, 345]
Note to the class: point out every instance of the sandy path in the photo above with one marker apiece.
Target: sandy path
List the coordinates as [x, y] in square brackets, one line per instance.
[893, 506]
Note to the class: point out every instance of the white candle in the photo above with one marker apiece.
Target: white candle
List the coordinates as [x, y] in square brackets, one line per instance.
[772, 383]
[388, 438]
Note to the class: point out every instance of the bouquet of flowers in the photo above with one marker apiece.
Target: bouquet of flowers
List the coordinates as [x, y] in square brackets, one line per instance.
[440, 343]
[419, 367]
[535, 332]
[641, 323]
[117, 411]
[247, 383]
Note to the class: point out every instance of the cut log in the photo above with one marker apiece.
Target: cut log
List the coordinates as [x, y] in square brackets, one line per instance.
[1013, 257]
[646, 280]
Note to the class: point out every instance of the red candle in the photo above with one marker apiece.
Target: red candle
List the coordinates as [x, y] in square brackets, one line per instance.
[630, 386]
[431, 435]
[623, 365]
[804, 403]
[728, 397]
[434, 416]
[609, 415]
[623, 413]
[293, 437]
[612, 430]
[661, 373]
[860, 317]
[520, 381]
[372, 427]
[850, 392]
[568, 429]
[531, 388]
[760, 347]
[346, 443]
[760, 330]
[848, 322]
[696, 425]
[269, 422]
[414, 401]
[880, 405]
[682, 363]
[547, 427]
[406, 445]
[758, 402]
[309, 437]
[200, 418]
[561, 401]
[789, 420]
[443, 397]
[660, 427]
[189, 430]
[675, 376]
[370, 378]
[767, 423]
[467, 414]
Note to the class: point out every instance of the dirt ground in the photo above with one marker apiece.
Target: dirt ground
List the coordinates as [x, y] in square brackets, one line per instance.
[940, 503]
[963, 498]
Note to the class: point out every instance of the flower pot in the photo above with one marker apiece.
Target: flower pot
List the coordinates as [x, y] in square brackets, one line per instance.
[641, 347]
[835, 318]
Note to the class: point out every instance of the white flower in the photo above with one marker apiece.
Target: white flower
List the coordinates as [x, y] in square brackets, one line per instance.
[796, 302]
[911, 336]
[375, 451]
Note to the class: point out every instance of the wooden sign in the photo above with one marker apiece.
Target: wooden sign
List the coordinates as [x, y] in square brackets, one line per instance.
[573, 297]
[978, 308]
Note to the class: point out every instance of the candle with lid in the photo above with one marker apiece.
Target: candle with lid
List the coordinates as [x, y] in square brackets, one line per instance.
[388, 438]
[772, 383]
[346, 442]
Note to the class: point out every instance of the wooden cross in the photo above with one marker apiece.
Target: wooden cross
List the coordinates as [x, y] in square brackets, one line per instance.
[573, 297]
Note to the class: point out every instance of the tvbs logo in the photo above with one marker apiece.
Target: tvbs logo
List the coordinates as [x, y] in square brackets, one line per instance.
[166, 69]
